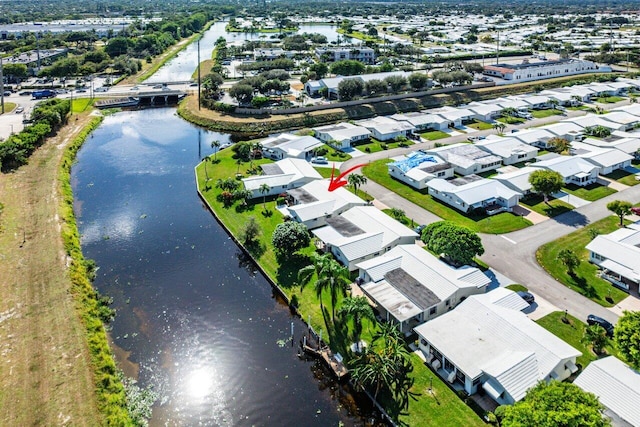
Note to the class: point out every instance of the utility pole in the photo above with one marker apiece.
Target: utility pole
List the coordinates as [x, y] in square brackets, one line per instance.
[199, 90]
[2, 86]
[498, 48]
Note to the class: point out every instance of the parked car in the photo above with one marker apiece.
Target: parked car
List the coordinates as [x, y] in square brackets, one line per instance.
[592, 319]
[25, 93]
[527, 296]
[157, 87]
[102, 89]
[320, 159]
[19, 110]
[635, 210]
[419, 229]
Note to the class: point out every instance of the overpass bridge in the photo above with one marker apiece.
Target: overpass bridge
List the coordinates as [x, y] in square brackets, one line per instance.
[142, 99]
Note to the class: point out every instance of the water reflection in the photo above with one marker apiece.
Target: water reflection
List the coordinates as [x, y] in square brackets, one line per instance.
[194, 318]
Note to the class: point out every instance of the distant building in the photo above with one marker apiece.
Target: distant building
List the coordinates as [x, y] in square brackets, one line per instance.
[359, 53]
[540, 70]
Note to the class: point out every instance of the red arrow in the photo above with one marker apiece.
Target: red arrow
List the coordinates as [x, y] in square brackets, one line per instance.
[338, 182]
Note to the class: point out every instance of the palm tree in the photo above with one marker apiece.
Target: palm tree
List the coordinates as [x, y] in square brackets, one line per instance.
[335, 278]
[576, 100]
[356, 180]
[509, 112]
[358, 309]
[206, 173]
[595, 335]
[553, 103]
[215, 144]
[264, 189]
[499, 126]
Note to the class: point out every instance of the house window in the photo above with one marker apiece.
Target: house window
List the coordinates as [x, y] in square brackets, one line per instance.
[432, 310]
[423, 342]
[476, 382]
[447, 303]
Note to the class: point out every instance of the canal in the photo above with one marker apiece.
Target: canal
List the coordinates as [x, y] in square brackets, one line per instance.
[194, 318]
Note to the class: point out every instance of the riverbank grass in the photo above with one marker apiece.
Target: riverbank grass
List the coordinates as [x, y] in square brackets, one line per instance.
[497, 224]
[585, 280]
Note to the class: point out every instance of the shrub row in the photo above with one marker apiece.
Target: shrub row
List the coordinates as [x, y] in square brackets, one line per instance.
[48, 117]
[109, 388]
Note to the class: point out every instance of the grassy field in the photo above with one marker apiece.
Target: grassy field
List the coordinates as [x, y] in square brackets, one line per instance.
[496, 224]
[80, 105]
[554, 208]
[586, 280]
[517, 288]
[9, 107]
[541, 114]
[434, 135]
[624, 177]
[511, 120]
[609, 99]
[373, 146]
[477, 124]
[447, 409]
[591, 192]
[572, 334]
[46, 377]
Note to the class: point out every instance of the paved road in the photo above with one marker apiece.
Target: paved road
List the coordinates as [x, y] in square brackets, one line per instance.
[513, 254]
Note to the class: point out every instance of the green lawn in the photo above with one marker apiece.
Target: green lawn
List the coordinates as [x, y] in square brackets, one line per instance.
[477, 124]
[540, 114]
[434, 135]
[586, 280]
[404, 219]
[511, 120]
[517, 288]
[334, 155]
[81, 104]
[623, 177]
[572, 334]
[440, 408]
[580, 108]
[591, 192]
[609, 99]
[446, 409]
[374, 145]
[536, 203]
[9, 107]
[496, 224]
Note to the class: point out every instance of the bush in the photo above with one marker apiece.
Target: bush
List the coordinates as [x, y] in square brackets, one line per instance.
[289, 237]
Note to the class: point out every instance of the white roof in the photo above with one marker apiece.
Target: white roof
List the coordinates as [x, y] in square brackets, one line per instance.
[464, 155]
[480, 337]
[563, 129]
[631, 109]
[475, 191]
[533, 135]
[378, 231]
[505, 147]
[519, 179]
[293, 145]
[616, 385]
[513, 103]
[385, 125]
[604, 157]
[435, 276]
[591, 120]
[326, 202]
[418, 118]
[455, 114]
[566, 165]
[622, 248]
[484, 109]
[620, 117]
[344, 130]
[536, 99]
[556, 94]
[292, 170]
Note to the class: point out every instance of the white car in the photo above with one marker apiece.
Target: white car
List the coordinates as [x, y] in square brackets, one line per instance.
[320, 159]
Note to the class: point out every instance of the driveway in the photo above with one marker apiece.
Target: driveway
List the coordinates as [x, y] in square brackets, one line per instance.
[574, 201]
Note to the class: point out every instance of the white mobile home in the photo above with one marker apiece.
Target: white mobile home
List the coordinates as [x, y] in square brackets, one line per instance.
[474, 192]
[419, 168]
[344, 134]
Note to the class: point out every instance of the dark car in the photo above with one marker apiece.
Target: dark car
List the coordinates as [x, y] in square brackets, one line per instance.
[592, 319]
[25, 93]
[419, 229]
[527, 296]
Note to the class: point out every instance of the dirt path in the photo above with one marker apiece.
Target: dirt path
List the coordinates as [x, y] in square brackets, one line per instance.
[45, 377]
